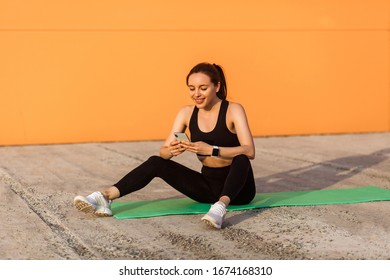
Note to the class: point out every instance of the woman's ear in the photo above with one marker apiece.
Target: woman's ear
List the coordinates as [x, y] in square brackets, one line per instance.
[218, 87]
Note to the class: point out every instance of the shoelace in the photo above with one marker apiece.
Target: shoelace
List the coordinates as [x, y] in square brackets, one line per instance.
[219, 208]
[100, 199]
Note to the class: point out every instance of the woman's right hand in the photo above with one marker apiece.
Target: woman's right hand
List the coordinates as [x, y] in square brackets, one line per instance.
[175, 148]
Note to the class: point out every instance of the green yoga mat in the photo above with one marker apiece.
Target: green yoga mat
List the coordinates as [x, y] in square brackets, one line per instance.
[186, 206]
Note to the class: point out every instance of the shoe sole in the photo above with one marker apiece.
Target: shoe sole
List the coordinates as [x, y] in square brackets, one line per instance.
[84, 206]
[88, 208]
[208, 221]
[101, 214]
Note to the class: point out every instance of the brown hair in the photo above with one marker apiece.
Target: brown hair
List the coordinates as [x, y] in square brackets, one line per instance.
[216, 75]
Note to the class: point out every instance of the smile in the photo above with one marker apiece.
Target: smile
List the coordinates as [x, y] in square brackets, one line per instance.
[198, 100]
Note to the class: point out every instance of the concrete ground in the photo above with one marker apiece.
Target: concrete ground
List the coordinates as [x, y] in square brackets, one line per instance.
[39, 221]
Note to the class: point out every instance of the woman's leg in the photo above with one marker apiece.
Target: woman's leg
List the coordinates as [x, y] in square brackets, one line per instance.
[239, 188]
[183, 179]
[240, 185]
[180, 177]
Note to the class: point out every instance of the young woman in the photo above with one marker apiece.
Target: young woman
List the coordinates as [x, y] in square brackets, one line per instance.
[222, 141]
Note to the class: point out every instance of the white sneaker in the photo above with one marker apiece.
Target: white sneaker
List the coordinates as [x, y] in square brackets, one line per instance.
[94, 203]
[215, 215]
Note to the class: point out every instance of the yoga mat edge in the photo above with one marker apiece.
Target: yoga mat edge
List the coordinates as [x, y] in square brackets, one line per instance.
[186, 206]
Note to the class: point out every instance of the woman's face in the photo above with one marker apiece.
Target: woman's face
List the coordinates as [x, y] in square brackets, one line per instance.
[202, 90]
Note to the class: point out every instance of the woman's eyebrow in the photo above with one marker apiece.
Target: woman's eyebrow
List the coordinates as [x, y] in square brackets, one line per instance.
[202, 85]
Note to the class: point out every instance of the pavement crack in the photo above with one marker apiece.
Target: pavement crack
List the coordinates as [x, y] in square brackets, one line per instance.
[196, 244]
[37, 205]
[260, 246]
[135, 158]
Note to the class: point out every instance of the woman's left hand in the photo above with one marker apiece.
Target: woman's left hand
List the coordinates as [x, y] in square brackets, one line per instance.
[199, 148]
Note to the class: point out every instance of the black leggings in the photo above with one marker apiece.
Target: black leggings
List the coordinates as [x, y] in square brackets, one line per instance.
[235, 181]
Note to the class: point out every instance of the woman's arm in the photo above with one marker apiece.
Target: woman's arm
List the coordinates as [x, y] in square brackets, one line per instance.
[171, 146]
[244, 134]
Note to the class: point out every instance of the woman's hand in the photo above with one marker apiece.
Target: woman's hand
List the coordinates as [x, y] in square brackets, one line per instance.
[176, 148]
[199, 148]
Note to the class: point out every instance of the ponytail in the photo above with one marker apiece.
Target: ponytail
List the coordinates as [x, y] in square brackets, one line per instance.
[215, 74]
[222, 93]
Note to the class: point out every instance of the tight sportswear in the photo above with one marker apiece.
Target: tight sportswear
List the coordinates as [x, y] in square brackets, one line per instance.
[235, 181]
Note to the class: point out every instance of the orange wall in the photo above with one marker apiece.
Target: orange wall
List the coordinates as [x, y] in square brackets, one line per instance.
[96, 70]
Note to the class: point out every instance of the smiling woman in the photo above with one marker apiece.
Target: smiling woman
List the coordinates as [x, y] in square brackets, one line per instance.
[220, 137]
[216, 77]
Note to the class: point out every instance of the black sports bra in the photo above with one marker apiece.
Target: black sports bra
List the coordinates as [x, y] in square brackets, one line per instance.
[220, 135]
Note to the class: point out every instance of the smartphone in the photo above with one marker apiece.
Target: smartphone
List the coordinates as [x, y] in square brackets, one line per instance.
[182, 136]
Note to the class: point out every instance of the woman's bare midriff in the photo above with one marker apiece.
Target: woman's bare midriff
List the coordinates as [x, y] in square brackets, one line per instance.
[214, 162]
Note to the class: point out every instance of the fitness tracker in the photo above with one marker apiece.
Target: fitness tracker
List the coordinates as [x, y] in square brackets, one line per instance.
[215, 152]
